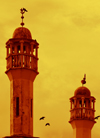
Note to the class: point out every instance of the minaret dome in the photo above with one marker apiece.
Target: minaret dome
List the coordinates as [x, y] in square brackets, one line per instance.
[22, 32]
[82, 91]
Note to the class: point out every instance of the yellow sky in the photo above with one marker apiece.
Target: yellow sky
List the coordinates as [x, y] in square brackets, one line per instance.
[68, 33]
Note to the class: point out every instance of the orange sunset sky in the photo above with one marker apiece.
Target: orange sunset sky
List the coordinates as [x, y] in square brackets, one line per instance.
[68, 33]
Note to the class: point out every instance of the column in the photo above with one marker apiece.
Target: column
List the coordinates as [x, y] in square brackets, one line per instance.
[21, 51]
[21, 46]
[77, 103]
[78, 109]
[82, 111]
[90, 102]
[27, 58]
[36, 56]
[93, 107]
[93, 104]
[74, 102]
[82, 101]
[7, 51]
[91, 115]
[8, 66]
[36, 51]
[11, 54]
[70, 104]
[11, 47]
[15, 50]
[87, 107]
[75, 107]
[32, 50]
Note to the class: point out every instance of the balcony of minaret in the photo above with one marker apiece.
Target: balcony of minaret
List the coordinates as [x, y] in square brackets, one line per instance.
[82, 108]
[22, 54]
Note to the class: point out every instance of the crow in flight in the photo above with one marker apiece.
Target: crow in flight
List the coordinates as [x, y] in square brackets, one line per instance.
[47, 124]
[97, 117]
[42, 118]
[25, 9]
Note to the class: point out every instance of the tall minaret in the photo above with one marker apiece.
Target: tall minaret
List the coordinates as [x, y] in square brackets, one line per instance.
[82, 112]
[22, 68]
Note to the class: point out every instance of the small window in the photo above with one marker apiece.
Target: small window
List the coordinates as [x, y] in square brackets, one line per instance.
[31, 107]
[17, 106]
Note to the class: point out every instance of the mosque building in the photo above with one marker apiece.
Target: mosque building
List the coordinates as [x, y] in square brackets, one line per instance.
[22, 69]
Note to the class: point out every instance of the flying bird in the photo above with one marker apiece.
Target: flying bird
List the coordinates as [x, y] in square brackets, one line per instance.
[42, 118]
[97, 117]
[47, 124]
[25, 9]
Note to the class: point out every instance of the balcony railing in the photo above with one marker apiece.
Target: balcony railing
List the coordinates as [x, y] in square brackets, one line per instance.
[82, 113]
[22, 61]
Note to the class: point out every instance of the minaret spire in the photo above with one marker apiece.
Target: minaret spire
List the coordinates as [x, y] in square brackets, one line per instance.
[22, 10]
[83, 81]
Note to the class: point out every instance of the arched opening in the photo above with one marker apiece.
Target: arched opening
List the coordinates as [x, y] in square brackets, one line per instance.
[84, 103]
[80, 103]
[30, 62]
[34, 51]
[24, 49]
[92, 104]
[72, 103]
[18, 49]
[13, 50]
[29, 49]
[12, 61]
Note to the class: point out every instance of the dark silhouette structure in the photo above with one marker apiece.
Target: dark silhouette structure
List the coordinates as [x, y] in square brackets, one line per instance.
[21, 69]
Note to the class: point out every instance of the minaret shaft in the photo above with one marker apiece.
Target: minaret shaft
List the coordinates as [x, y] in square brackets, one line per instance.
[21, 110]
[21, 101]
[82, 129]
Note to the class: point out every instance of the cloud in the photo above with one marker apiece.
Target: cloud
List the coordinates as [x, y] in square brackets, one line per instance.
[85, 21]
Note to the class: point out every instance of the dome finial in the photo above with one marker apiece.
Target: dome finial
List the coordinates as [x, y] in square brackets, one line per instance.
[83, 81]
[22, 10]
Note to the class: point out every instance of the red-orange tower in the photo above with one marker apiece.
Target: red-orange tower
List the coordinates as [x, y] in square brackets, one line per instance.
[82, 112]
[22, 68]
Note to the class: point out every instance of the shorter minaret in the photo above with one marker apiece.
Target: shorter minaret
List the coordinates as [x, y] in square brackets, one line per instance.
[82, 112]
